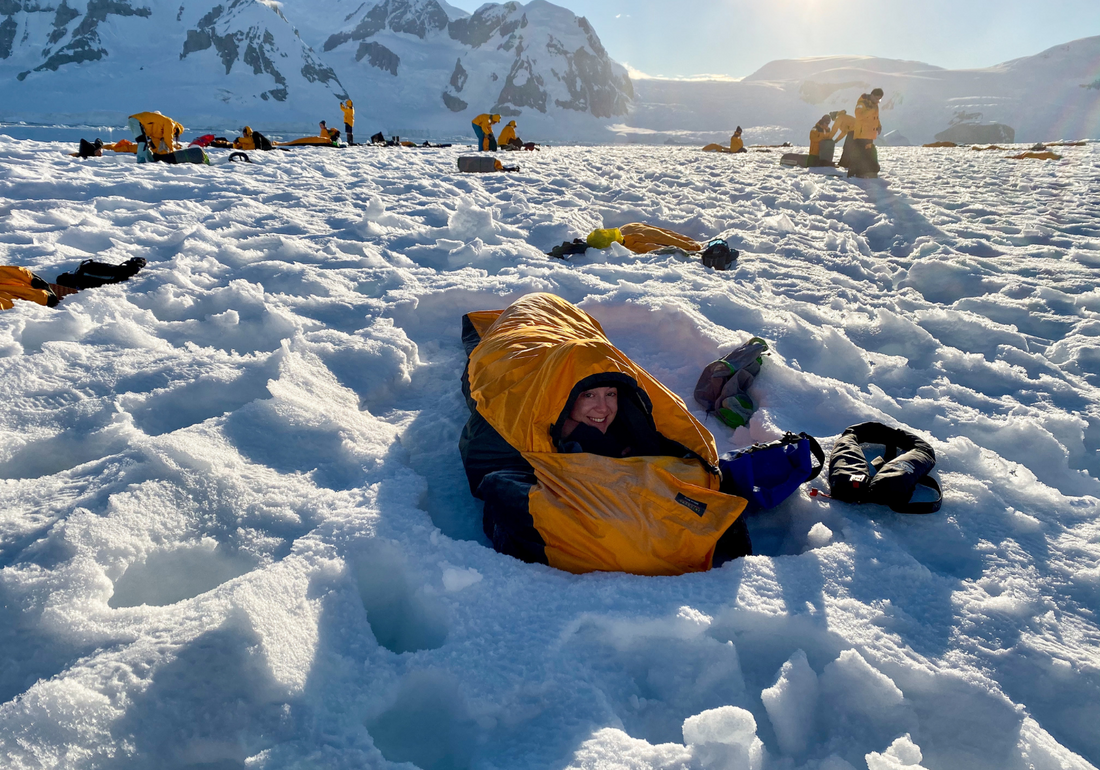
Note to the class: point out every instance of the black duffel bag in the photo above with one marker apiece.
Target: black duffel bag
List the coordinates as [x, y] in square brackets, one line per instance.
[888, 480]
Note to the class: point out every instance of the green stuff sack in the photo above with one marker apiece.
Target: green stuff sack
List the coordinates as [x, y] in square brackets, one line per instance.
[723, 386]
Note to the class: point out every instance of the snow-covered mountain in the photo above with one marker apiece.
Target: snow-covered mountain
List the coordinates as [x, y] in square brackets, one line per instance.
[198, 61]
[417, 60]
[424, 68]
[1052, 95]
[412, 65]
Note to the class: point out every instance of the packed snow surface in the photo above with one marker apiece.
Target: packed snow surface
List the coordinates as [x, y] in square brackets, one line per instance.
[235, 530]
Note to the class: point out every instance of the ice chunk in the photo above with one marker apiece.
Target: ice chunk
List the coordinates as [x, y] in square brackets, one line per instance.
[456, 578]
[819, 535]
[864, 689]
[903, 753]
[791, 704]
[471, 220]
[725, 739]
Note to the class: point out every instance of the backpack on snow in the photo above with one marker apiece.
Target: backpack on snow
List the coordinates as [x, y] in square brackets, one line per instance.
[888, 480]
[767, 474]
[719, 255]
[723, 385]
[262, 142]
[568, 249]
[91, 273]
[90, 149]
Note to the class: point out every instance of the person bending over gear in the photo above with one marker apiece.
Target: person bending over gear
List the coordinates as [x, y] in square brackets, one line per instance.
[158, 133]
[483, 130]
[817, 133]
[844, 125]
[349, 120]
[864, 157]
[508, 136]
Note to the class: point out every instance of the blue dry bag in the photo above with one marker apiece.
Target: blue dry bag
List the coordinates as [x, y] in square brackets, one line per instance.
[767, 474]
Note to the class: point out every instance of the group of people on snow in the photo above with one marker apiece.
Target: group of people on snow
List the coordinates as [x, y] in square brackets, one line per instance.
[858, 132]
[859, 156]
[157, 138]
[488, 142]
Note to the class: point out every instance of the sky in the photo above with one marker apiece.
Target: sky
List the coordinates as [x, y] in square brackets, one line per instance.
[723, 37]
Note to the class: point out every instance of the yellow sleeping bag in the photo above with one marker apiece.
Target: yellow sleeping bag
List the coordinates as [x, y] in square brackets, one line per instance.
[658, 511]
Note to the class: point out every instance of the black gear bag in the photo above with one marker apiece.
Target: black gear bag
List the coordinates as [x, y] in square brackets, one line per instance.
[888, 480]
[91, 273]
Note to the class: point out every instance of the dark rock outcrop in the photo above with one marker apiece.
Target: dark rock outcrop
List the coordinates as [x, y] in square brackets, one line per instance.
[84, 42]
[378, 56]
[454, 104]
[406, 16]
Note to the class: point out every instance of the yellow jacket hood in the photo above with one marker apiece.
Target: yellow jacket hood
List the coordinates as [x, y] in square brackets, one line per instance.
[522, 374]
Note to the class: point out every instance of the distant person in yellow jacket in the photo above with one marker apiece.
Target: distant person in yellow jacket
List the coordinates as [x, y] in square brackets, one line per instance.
[349, 120]
[736, 144]
[160, 131]
[245, 141]
[864, 156]
[844, 125]
[483, 130]
[508, 135]
[817, 133]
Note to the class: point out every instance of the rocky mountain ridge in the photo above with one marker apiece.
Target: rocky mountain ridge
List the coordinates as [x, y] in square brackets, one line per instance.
[251, 60]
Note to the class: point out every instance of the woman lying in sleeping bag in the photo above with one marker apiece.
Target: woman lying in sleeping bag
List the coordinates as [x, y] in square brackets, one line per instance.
[584, 461]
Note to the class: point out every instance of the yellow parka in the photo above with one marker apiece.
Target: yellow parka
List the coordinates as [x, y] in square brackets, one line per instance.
[245, 141]
[867, 123]
[160, 130]
[642, 239]
[508, 133]
[736, 144]
[349, 112]
[486, 122]
[815, 140]
[842, 125]
[21, 283]
[653, 515]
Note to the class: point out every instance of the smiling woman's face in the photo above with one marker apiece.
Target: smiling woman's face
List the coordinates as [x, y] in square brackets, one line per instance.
[596, 407]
